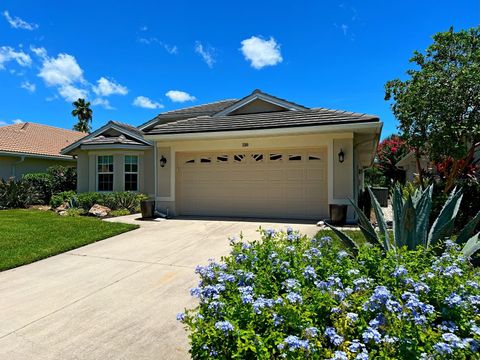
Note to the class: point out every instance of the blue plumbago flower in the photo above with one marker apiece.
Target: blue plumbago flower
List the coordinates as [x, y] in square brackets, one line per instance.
[245, 289]
[225, 277]
[340, 355]
[215, 305]
[353, 272]
[448, 326]
[295, 343]
[453, 340]
[400, 271]
[352, 316]
[379, 297]
[289, 230]
[277, 319]
[225, 326]
[393, 306]
[246, 246]
[211, 291]
[449, 244]
[181, 316]
[335, 339]
[371, 334]
[376, 322]
[390, 339]
[247, 298]
[294, 298]
[453, 300]
[311, 331]
[475, 330]
[291, 284]
[419, 287]
[362, 356]
[356, 346]
[199, 317]
[335, 310]
[195, 292]
[311, 253]
[474, 299]
[270, 233]
[339, 295]
[325, 240]
[261, 303]
[293, 237]
[290, 249]
[342, 254]
[443, 348]
[272, 255]
[472, 284]
[362, 283]
[205, 271]
[285, 267]
[232, 240]
[309, 273]
[279, 301]
[452, 270]
[239, 258]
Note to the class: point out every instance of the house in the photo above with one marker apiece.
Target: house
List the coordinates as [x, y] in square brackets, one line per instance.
[29, 148]
[260, 156]
[409, 164]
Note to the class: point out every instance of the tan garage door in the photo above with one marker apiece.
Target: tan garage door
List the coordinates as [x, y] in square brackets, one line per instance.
[276, 184]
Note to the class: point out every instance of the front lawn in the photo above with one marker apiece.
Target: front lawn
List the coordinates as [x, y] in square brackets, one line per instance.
[30, 235]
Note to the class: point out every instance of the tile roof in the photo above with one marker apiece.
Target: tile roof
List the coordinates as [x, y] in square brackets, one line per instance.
[307, 117]
[36, 139]
[102, 140]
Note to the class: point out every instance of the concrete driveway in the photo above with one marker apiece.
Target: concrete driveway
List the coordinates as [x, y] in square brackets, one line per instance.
[117, 298]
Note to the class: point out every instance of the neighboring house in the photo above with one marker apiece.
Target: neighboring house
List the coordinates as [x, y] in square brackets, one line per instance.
[409, 164]
[29, 147]
[259, 156]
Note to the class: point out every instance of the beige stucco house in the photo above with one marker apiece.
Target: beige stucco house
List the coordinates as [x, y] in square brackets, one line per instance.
[260, 156]
[31, 148]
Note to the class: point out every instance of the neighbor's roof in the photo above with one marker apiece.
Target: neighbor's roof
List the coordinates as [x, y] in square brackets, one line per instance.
[36, 139]
[307, 117]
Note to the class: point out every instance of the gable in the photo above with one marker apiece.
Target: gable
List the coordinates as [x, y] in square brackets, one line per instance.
[257, 106]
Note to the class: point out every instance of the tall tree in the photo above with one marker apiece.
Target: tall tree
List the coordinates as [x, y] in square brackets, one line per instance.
[83, 112]
[438, 106]
[389, 152]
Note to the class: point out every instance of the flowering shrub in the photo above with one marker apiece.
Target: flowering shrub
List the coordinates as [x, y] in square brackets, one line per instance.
[389, 152]
[287, 296]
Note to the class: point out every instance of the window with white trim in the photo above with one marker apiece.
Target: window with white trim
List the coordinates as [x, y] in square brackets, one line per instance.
[105, 173]
[131, 173]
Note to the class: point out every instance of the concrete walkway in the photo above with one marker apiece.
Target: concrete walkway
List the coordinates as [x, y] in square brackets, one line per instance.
[117, 298]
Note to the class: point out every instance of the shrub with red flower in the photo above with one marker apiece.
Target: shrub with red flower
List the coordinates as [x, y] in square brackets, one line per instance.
[389, 153]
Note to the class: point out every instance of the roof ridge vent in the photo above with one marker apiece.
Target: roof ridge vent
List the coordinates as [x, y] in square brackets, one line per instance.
[256, 91]
[24, 126]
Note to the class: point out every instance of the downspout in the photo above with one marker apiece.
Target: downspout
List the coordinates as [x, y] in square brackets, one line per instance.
[14, 166]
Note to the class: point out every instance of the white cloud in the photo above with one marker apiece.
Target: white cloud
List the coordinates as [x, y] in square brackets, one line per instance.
[64, 73]
[179, 96]
[9, 54]
[27, 85]
[261, 52]
[207, 53]
[107, 87]
[171, 49]
[145, 102]
[71, 93]
[18, 121]
[103, 103]
[17, 23]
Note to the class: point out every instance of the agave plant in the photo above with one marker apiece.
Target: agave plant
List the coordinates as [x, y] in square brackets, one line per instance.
[411, 223]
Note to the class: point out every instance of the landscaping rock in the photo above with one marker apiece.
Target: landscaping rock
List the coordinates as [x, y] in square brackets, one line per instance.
[63, 213]
[99, 210]
[64, 207]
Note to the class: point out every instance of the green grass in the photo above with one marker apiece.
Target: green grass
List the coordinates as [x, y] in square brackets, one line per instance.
[30, 235]
[354, 234]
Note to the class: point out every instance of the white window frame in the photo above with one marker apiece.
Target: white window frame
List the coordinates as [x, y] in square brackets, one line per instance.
[105, 172]
[130, 172]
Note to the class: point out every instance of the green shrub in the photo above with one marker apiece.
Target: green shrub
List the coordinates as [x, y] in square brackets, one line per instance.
[41, 184]
[119, 212]
[74, 212]
[123, 200]
[63, 197]
[63, 178]
[287, 296]
[88, 199]
[17, 194]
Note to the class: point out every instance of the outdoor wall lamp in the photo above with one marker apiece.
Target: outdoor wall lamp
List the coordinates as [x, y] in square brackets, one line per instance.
[163, 161]
[341, 156]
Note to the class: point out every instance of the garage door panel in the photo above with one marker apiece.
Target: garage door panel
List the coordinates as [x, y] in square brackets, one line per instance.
[256, 186]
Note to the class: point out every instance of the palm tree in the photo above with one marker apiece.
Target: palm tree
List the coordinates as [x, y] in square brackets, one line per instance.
[84, 114]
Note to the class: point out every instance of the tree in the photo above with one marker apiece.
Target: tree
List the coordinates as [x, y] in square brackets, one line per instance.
[84, 114]
[438, 106]
[389, 153]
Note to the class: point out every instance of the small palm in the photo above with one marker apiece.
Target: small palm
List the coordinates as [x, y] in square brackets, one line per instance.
[83, 112]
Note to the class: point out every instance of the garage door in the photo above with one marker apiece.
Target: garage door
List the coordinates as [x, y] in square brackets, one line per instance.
[276, 184]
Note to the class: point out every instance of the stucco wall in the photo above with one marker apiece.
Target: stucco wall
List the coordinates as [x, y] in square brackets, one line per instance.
[87, 169]
[10, 166]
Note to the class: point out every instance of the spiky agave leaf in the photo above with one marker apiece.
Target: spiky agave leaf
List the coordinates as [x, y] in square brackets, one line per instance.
[422, 215]
[366, 226]
[407, 225]
[346, 240]
[472, 246]
[468, 230]
[397, 207]
[443, 225]
[382, 225]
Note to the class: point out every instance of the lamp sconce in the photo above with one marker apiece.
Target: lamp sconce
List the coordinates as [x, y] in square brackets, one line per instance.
[341, 156]
[163, 161]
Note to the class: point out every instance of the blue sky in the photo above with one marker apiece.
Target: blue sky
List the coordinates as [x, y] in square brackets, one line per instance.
[134, 59]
